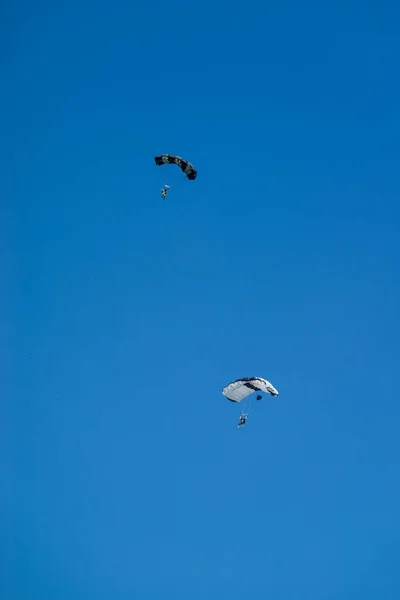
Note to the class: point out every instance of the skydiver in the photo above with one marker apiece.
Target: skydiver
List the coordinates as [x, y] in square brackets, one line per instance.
[242, 420]
[164, 191]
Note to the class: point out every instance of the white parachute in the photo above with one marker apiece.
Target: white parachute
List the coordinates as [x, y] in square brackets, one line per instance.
[238, 390]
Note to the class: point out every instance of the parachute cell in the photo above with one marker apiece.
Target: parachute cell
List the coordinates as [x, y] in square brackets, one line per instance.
[170, 159]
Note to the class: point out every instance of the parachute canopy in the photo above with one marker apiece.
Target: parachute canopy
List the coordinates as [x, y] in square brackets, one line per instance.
[237, 390]
[171, 159]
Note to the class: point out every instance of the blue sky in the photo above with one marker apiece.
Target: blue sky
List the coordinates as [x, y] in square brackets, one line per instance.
[123, 473]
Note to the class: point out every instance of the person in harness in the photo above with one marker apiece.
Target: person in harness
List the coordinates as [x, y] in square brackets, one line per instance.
[164, 191]
[242, 420]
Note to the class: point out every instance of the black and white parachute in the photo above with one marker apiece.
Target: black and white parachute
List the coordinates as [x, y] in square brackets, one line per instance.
[171, 159]
[237, 390]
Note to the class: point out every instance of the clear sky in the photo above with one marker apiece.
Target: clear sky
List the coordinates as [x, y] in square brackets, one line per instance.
[123, 474]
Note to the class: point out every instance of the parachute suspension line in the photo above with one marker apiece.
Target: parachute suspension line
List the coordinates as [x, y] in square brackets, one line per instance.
[253, 401]
[243, 408]
[251, 405]
[247, 407]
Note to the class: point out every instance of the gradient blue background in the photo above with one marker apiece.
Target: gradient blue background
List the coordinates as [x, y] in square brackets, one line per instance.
[123, 474]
